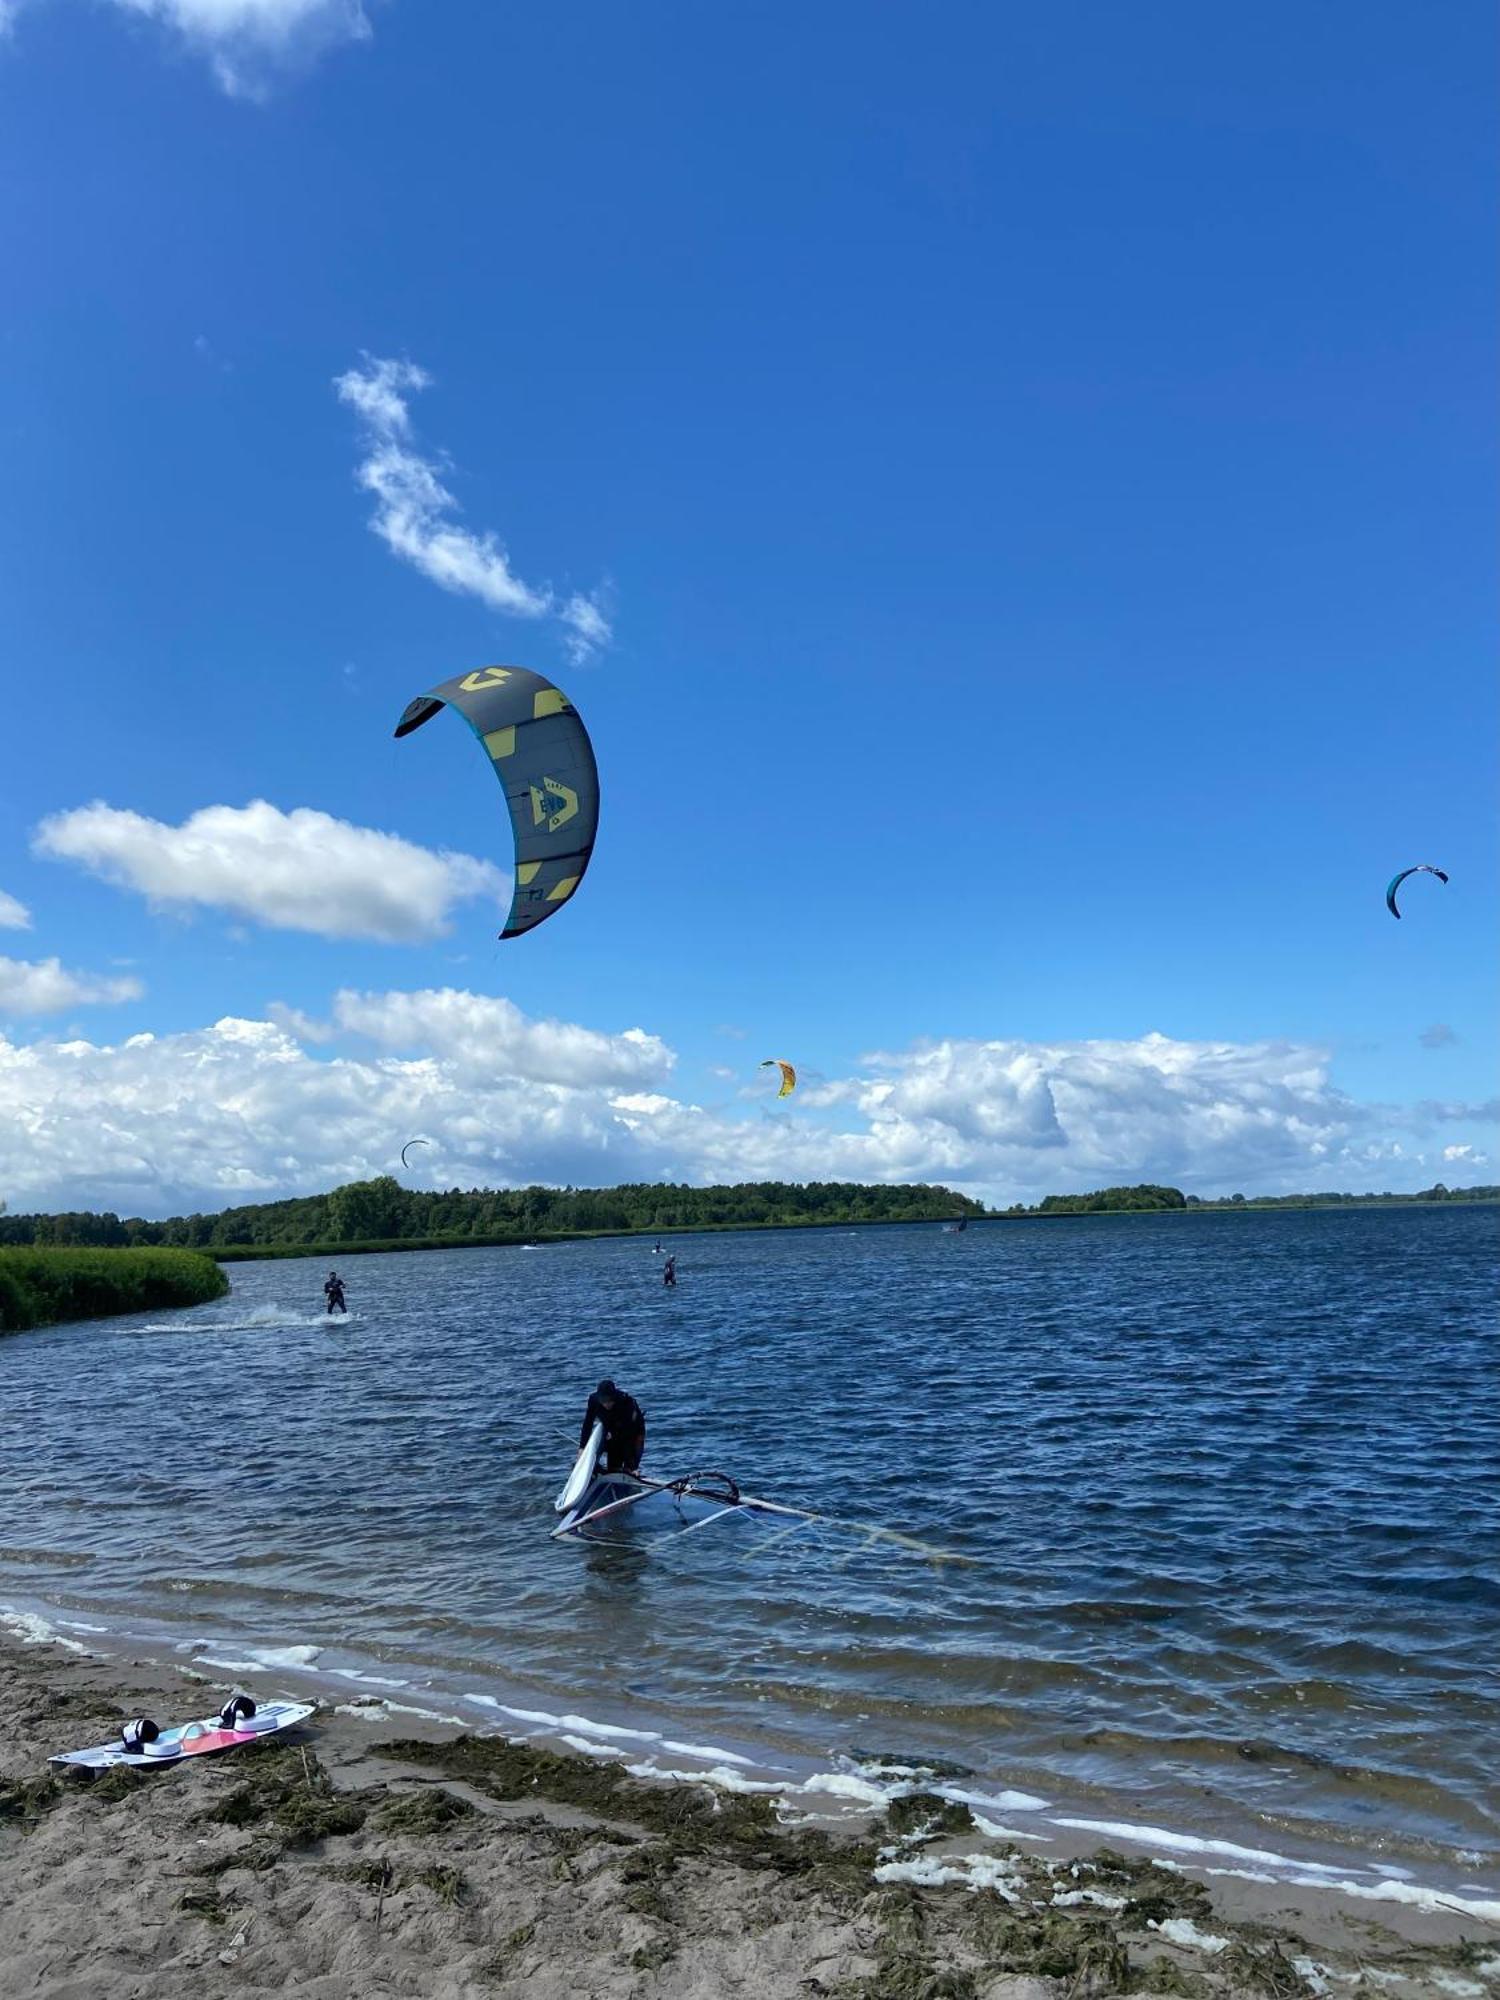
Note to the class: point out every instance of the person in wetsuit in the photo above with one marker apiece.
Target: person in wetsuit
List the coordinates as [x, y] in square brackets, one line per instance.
[624, 1424]
[669, 1271]
[333, 1294]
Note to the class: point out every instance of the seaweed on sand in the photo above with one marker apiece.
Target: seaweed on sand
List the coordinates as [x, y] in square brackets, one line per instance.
[1152, 1893]
[27, 1799]
[424, 1812]
[120, 1781]
[286, 1786]
[927, 1816]
[686, 1819]
[449, 1885]
[210, 1904]
[907, 1967]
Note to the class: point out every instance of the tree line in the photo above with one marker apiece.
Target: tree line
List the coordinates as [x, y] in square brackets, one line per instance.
[381, 1210]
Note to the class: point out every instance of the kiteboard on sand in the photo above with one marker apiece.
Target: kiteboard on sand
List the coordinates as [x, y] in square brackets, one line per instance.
[141, 1743]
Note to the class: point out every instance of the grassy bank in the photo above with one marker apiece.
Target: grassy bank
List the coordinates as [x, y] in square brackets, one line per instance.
[39, 1287]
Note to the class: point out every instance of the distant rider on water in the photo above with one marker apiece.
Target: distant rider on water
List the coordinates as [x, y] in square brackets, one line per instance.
[624, 1424]
[333, 1294]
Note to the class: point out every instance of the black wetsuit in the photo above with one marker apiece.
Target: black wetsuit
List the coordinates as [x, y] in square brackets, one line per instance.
[333, 1299]
[624, 1432]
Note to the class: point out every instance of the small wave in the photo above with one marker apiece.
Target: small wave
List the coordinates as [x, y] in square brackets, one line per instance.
[594, 1737]
[1190, 1843]
[32, 1630]
[260, 1659]
[720, 1775]
[261, 1319]
[45, 1558]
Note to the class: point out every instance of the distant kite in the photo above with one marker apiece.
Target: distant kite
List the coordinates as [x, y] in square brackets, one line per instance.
[788, 1075]
[408, 1146]
[1422, 868]
[545, 763]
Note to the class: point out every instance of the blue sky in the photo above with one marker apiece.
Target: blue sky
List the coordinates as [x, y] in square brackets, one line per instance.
[1035, 465]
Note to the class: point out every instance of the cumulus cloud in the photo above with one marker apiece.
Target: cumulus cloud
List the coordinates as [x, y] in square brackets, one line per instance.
[300, 871]
[14, 916]
[45, 986]
[250, 42]
[253, 1109]
[415, 512]
[480, 1032]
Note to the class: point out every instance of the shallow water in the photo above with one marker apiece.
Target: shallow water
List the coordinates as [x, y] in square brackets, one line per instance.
[1227, 1484]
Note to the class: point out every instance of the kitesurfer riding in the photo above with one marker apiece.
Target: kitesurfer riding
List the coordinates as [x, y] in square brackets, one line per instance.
[624, 1424]
[333, 1294]
[669, 1271]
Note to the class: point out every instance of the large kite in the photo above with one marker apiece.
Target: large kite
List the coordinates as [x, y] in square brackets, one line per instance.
[1422, 868]
[545, 763]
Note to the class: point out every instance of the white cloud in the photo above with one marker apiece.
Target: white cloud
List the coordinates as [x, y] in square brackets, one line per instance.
[301, 1027]
[247, 1110]
[248, 42]
[589, 629]
[475, 1032]
[301, 870]
[14, 916]
[414, 511]
[45, 986]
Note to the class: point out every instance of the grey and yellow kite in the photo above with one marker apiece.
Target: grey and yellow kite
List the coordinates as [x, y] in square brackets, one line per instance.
[788, 1075]
[542, 756]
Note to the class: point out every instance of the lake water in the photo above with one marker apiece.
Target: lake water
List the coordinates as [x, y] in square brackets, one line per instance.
[1229, 1486]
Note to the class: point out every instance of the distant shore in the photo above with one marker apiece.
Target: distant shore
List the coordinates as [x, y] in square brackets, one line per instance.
[245, 1253]
[377, 1855]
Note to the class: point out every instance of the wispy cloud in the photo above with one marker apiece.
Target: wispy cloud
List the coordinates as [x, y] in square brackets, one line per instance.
[249, 43]
[415, 514]
[1438, 1036]
[299, 871]
[46, 986]
[14, 916]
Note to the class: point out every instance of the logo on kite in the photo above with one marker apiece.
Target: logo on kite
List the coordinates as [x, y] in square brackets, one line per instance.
[540, 751]
[554, 802]
[788, 1075]
[1422, 868]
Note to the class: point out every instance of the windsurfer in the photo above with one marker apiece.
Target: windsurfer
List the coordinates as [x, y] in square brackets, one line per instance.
[624, 1424]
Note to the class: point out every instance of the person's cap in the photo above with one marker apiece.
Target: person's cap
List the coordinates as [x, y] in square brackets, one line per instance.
[606, 1388]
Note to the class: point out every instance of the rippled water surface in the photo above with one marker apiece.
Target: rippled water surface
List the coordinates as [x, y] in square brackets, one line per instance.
[1228, 1486]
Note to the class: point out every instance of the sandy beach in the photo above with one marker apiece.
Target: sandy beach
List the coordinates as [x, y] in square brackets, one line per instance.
[360, 1857]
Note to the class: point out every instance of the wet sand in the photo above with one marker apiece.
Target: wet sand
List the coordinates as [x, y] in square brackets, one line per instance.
[362, 1858]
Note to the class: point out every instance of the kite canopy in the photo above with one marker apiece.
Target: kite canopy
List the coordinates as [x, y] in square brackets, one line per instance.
[1422, 868]
[788, 1075]
[545, 763]
[408, 1146]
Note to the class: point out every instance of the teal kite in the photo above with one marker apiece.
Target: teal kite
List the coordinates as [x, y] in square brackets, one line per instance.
[1422, 868]
[544, 760]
